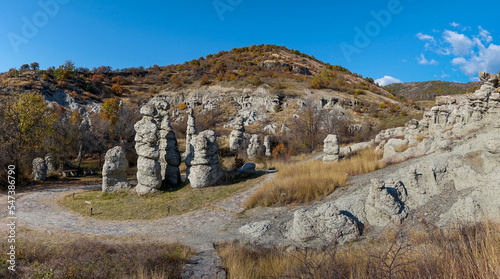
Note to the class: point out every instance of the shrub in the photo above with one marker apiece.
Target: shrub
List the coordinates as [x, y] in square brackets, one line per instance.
[382, 105]
[182, 106]
[117, 89]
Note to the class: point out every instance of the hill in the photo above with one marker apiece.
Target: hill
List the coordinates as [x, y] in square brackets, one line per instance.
[429, 90]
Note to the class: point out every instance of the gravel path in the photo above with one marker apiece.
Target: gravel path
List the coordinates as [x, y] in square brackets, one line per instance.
[199, 229]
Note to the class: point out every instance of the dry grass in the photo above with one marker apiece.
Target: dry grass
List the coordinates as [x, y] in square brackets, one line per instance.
[402, 148]
[42, 255]
[127, 205]
[467, 251]
[302, 182]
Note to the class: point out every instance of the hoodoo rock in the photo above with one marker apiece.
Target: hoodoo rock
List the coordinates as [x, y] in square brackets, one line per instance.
[268, 145]
[190, 131]
[237, 137]
[331, 149]
[254, 148]
[114, 170]
[51, 163]
[39, 169]
[204, 167]
[148, 166]
[170, 157]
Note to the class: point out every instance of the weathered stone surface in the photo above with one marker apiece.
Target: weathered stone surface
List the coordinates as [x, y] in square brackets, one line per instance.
[204, 168]
[237, 137]
[255, 229]
[331, 149]
[190, 130]
[39, 169]
[326, 224]
[51, 163]
[385, 204]
[148, 167]
[254, 148]
[114, 170]
[170, 157]
[268, 145]
[248, 167]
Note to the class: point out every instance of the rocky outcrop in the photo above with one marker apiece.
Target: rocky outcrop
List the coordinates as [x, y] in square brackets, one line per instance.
[39, 169]
[51, 163]
[204, 167]
[268, 145]
[146, 138]
[326, 224]
[386, 204]
[331, 149]
[190, 131]
[170, 157]
[237, 137]
[254, 148]
[114, 170]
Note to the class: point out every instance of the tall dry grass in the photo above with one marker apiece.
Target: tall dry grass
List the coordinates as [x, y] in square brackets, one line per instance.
[302, 182]
[467, 251]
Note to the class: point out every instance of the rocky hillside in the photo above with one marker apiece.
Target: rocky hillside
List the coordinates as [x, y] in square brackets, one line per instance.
[429, 90]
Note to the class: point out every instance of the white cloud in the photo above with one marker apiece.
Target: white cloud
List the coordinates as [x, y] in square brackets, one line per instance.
[423, 61]
[454, 24]
[424, 37]
[484, 35]
[460, 43]
[487, 59]
[386, 80]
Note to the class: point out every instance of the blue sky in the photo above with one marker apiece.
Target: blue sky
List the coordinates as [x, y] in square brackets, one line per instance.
[389, 40]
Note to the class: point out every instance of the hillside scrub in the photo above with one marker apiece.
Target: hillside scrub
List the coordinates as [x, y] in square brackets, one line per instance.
[303, 182]
[462, 251]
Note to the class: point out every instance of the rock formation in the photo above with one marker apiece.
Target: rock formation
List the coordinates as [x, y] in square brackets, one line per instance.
[170, 158]
[254, 148]
[237, 137]
[114, 170]
[39, 169]
[331, 149]
[385, 204]
[51, 163]
[204, 168]
[268, 145]
[326, 224]
[148, 166]
[190, 131]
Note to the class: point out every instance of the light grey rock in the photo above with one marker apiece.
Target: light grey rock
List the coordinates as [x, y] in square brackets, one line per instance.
[114, 170]
[248, 167]
[204, 167]
[255, 229]
[237, 137]
[326, 224]
[190, 131]
[148, 166]
[170, 157]
[254, 148]
[268, 145]
[331, 149]
[385, 205]
[39, 169]
[51, 163]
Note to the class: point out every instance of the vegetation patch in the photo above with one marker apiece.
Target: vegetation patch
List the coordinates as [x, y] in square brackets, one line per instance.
[465, 251]
[127, 205]
[302, 182]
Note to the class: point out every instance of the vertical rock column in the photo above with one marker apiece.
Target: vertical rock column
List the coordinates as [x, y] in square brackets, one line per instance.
[146, 146]
[39, 169]
[51, 163]
[204, 168]
[190, 131]
[268, 145]
[331, 149]
[237, 136]
[114, 171]
[254, 147]
[170, 158]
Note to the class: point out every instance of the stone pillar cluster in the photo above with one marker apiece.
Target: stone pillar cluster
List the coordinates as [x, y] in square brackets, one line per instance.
[204, 167]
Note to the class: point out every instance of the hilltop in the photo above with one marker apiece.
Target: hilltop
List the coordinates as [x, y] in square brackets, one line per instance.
[429, 90]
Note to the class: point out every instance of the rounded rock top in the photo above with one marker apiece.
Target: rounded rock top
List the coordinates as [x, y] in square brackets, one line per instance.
[148, 110]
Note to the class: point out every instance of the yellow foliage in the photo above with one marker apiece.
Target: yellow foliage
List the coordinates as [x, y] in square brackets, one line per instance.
[110, 109]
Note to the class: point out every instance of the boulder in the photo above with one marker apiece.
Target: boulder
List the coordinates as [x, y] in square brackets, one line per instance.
[51, 163]
[326, 224]
[204, 167]
[114, 170]
[39, 169]
[385, 205]
[331, 149]
[248, 167]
